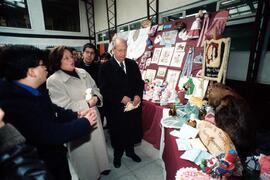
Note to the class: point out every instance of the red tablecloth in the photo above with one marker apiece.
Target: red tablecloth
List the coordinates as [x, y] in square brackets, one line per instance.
[151, 116]
[171, 156]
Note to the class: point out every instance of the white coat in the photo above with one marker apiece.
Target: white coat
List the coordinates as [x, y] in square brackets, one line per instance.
[88, 155]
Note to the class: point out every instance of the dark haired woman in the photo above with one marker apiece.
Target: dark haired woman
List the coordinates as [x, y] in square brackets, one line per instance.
[67, 86]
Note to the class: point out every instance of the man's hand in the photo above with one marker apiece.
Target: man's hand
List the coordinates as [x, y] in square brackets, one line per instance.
[1, 118]
[84, 112]
[91, 116]
[136, 100]
[125, 100]
[93, 101]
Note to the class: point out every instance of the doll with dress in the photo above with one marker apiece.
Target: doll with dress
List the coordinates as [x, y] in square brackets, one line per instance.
[195, 29]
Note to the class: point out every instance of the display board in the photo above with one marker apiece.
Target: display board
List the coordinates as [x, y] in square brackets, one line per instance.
[176, 48]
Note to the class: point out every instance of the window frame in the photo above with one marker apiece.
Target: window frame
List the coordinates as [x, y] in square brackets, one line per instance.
[79, 19]
[29, 17]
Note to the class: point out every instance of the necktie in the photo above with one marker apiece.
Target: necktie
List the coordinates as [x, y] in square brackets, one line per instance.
[122, 66]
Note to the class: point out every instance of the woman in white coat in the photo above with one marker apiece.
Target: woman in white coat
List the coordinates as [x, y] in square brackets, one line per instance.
[67, 86]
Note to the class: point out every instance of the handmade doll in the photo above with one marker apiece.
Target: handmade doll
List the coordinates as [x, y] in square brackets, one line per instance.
[194, 31]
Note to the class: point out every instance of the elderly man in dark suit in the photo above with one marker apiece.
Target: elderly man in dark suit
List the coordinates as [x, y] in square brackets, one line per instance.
[120, 83]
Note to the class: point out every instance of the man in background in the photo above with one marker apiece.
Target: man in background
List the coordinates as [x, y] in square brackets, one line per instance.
[89, 61]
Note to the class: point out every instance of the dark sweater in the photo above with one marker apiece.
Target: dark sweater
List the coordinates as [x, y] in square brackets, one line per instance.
[92, 69]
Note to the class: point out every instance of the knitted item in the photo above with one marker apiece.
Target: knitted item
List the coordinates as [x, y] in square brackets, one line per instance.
[9, 137]
[218, 25]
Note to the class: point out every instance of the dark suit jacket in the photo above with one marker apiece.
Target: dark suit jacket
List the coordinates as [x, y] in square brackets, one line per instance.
[114, 84]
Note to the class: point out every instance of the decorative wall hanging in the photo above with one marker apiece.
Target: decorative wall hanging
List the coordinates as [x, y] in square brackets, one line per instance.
[148, 62]
[137, 42]
[156, 55]
[216, 55]
[161, 73]
[177, 59]
[153, 31]
[144, 60]
[218, 25]
[178, 55]
[166, 56]
[203, 30]
[189, 86]
[169, 37]
[199, 86]
[180, 46]
[183, 35]
[167, 26]
[160, 28]
[188, 63]
[199, 58]
[172, 78]
[150, 74]
[157, 39]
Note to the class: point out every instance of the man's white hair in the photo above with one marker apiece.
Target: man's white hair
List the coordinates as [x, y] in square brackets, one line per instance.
[119, 39]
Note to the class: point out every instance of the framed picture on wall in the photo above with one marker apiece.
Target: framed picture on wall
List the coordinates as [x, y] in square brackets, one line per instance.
[166, 56]
[177, 59]
[180, 46]
[172, 78]
[156, 55]
[169, 37]
[150, 74]
[160, 28]
[194, 86]
[161, 73]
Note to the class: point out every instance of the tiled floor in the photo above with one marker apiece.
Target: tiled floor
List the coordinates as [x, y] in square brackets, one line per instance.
[150, 168]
